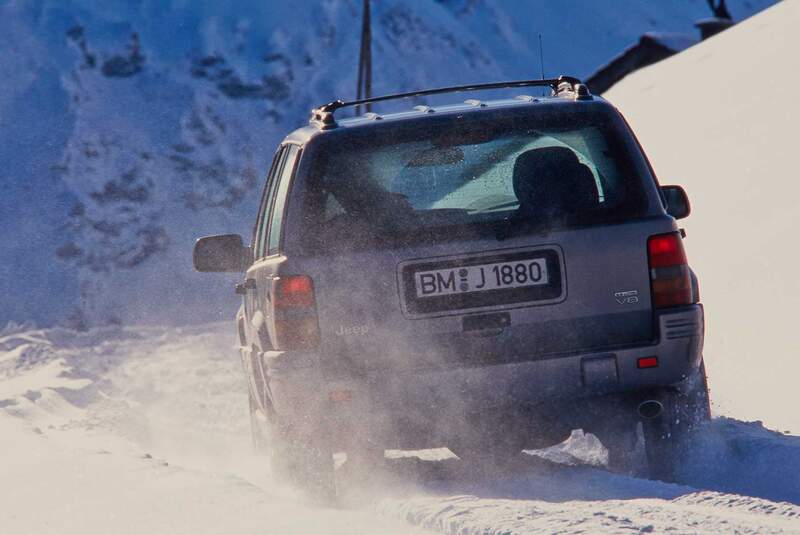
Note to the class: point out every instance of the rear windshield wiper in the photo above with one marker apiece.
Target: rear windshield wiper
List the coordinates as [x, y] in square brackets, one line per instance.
[502, 228]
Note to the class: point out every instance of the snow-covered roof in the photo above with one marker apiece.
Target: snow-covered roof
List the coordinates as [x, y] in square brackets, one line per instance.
[650, 48]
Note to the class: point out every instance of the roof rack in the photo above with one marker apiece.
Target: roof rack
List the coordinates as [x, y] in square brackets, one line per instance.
[322, 117]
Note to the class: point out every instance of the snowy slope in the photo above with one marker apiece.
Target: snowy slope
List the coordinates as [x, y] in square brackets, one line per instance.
[144, 430]
[721, 120]
[129, 128]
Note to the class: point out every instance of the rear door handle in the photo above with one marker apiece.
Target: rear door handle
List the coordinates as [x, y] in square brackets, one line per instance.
[243, 287]
[486, 325]
[486, 322]
[484, 333]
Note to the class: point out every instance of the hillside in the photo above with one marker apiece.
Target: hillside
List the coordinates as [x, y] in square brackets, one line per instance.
[720, 120]
[128, 129]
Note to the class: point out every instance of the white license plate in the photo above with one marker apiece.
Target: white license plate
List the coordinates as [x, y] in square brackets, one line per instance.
[481, 277]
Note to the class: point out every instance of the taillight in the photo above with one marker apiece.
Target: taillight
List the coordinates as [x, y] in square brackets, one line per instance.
[647, 362]
[295, 309]
[670, 280]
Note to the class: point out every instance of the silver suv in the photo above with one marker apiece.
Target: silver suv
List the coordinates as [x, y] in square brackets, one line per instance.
[485, 276]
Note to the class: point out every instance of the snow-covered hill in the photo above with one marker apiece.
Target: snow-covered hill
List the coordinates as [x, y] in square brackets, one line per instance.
[721, 119]
[129, 128]
[145, 430]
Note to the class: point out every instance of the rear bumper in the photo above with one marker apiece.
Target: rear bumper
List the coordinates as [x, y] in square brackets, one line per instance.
[388, 404]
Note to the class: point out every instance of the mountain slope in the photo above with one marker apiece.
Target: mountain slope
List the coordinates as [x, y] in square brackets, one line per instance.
[720, 119]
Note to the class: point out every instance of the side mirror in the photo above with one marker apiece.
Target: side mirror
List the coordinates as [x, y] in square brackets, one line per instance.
[678, 205]
[224, 253]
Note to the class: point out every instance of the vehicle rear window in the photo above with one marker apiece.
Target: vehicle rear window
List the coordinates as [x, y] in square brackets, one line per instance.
[465, 178]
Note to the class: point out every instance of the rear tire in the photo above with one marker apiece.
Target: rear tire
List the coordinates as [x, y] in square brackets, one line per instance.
[304, 461]
[313, 468]
[668, 439]
[258, 429]
[620, 438]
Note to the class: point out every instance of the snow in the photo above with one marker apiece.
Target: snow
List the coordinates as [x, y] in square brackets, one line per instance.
[720, 119]
[129, 129]
[145, 430]
[700, 513]
[58, 488]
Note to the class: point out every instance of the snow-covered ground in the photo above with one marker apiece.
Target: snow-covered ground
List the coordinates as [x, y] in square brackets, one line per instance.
[145, 430]
[721, 120]
[140, 431]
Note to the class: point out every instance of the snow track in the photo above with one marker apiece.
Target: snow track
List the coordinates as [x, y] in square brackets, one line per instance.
[698, 512]
[145, 430]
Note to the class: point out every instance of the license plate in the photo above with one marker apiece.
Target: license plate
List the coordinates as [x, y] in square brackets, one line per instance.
[481, 278]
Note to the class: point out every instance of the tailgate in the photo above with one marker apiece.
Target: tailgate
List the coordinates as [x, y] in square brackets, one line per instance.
[471, 303]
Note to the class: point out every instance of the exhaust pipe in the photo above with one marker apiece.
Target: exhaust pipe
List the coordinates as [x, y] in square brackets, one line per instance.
[650, 409]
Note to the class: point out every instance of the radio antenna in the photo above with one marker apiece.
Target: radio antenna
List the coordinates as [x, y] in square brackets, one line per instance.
[541, 56]
[364, 89]
[541, 59]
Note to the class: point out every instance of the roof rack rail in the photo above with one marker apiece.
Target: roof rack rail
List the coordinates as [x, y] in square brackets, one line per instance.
[322, 117]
